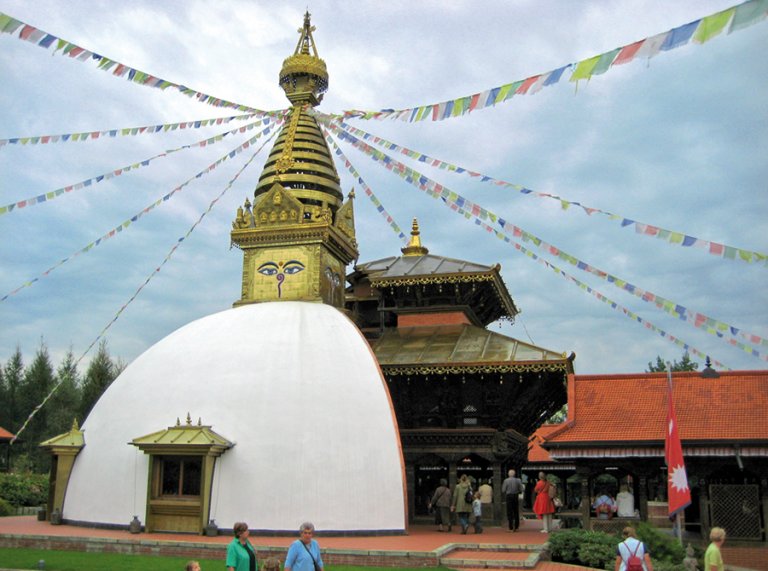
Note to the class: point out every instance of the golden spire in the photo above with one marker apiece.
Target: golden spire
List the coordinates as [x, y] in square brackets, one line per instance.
[414, 247]
[304, 77]
[300, 160]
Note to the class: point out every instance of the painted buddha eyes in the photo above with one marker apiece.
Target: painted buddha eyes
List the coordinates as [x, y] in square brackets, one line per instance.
[268, 269]
[293, 267]
[280, 270]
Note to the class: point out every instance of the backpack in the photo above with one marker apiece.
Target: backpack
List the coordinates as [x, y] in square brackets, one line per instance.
[634, 563]
[468, 496]
[552, 491]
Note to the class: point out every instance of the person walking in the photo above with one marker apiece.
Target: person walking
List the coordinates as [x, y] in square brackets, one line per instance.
[441, 502]
[544, 507]
[459, 503]
[632, 552]
[511, 488]
[304, 553]
[241, 556]
[713, 558]
[477, 511]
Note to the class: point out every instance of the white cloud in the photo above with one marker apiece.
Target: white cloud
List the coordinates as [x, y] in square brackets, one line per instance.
[678, 142]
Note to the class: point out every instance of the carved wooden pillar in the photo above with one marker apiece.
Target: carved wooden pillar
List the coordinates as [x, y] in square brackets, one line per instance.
[585, 505]
[706, 524]
[764, 494]
[452, 476]
[642, 496]
[499, 501]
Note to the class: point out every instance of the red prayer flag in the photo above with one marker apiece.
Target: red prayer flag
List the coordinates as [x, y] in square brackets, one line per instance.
[678, 492]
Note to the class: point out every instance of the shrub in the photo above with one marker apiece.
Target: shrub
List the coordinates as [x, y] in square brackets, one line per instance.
[599, 550]
[661, 546]
[5, 508]
[592, 548]
[24, 489]
[564, 544]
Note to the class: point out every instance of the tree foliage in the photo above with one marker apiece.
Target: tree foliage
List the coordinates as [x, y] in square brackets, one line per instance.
[100, 374]
[38, 380]
[684, 364]
[23, 388]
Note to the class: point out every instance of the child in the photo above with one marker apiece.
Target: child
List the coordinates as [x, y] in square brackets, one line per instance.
[477, 510]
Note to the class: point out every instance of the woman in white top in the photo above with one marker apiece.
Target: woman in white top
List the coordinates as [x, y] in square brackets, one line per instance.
[631, 546]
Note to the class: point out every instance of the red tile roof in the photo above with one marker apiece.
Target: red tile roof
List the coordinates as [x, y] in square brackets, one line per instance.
[633, 408]
[535, 452]
[4, 434]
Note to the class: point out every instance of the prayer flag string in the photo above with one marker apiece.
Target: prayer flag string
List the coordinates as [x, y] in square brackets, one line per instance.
[124, 132]
[149, 278]
[368, 192]
[641, 228]
[699, 31]
[437, 190]
[26, 32]
[584, 287]
[48, 196]
[118, 229]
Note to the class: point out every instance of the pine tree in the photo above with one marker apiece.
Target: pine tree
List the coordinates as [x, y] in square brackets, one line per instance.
[13, 373]
[37, 383]
[64, 406]
[100, 374]
[685, 364]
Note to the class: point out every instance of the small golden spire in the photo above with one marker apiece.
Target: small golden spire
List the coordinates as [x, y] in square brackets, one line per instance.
[414, 247]
[189, 419]
[75, 426]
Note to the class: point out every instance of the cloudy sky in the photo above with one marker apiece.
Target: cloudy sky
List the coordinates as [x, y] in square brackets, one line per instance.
[678, 142]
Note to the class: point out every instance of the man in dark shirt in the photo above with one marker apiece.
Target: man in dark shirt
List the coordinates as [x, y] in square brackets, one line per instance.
[510, 489]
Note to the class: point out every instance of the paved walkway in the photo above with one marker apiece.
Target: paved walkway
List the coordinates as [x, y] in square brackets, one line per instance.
[420, 539]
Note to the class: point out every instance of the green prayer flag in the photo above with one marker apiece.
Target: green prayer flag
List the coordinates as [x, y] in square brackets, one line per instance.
[712, 26]
[584, 69]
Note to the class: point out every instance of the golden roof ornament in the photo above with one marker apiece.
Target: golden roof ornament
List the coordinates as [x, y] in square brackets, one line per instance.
[414, 247]
[304, 77]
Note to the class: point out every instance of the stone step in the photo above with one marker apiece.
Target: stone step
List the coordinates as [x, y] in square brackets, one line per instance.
[490, 558]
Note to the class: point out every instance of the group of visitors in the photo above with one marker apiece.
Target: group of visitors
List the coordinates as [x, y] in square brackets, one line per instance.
[304, 553]
[623, 505]
[464, 501]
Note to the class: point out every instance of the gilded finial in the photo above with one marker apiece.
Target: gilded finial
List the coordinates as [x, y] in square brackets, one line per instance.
[178, 422]
[351, 193]
[414, 247]
[75, 426]
[199, 420]
[304, 77]
[189, 419]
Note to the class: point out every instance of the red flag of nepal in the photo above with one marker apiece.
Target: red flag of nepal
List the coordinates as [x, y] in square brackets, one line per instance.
[678, 492]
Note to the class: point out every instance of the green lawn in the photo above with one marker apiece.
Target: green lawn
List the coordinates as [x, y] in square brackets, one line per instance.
[77, 561]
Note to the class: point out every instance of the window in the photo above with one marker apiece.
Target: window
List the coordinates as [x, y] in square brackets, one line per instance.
[179, 475]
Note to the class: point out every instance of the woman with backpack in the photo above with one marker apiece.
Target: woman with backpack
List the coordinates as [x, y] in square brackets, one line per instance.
[632, 554]
[461, 502]
[544, 507]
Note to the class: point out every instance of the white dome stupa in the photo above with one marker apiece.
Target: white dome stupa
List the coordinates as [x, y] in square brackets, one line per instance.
[295, 390]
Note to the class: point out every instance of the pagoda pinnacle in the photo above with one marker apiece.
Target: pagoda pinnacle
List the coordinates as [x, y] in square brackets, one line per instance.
[304, 77]
[414, 247]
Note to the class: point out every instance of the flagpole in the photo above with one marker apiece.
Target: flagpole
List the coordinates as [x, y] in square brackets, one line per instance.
[678, 527]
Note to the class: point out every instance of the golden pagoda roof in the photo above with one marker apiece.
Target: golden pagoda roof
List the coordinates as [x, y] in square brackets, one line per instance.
[72, 439]
[461, 347]
[179, 437]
